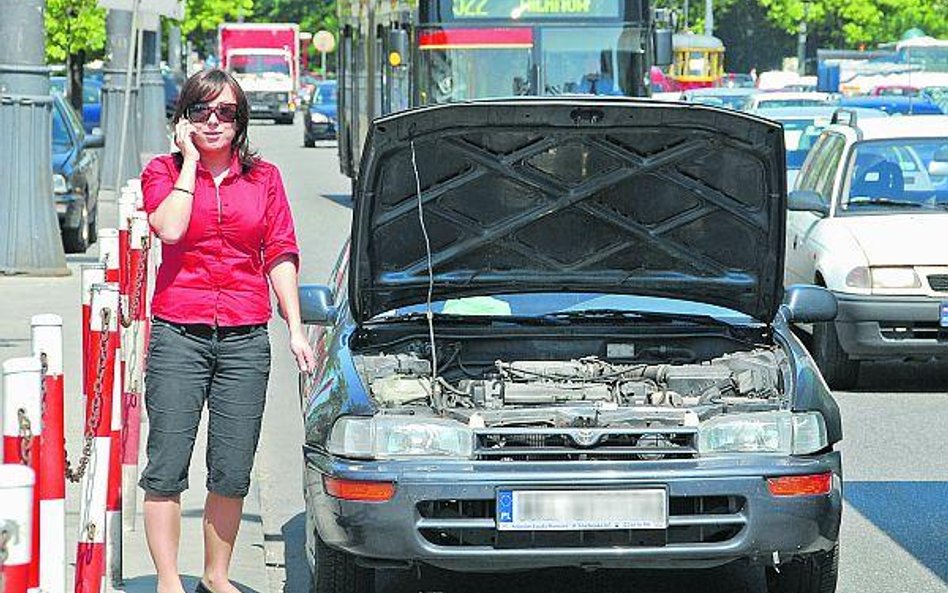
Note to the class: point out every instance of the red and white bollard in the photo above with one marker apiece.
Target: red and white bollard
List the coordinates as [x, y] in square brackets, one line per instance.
[134, 349]
[23, 434]
[92, 274]
[47, 339]
[103, 342]
[109, 253]
[16, 533]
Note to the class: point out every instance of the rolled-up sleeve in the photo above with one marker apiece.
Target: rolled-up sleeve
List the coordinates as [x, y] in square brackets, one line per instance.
[280, 237]
[157, 181]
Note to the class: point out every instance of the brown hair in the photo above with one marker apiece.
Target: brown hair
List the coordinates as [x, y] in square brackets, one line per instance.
[205, 86]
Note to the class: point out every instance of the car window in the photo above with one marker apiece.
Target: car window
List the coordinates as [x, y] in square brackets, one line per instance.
[814, 164]
[61, 137]
[325, 94]
[898, 175]
[91, 94]
[823, 183]
[74, 122]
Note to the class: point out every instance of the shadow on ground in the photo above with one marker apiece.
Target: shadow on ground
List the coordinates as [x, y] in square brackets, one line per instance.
[913, 514]
[148, 584]
[341, 199]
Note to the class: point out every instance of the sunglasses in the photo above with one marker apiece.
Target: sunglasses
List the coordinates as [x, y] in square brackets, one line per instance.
[199, 113]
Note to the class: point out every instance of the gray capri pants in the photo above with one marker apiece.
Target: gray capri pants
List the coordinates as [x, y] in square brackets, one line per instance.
[228, 367]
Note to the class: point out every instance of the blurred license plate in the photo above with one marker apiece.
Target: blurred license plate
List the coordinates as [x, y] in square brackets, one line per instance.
[943, 315]
[551, 510]
[259, 108]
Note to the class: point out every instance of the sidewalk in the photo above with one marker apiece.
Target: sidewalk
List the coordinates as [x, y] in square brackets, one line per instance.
[25, 297]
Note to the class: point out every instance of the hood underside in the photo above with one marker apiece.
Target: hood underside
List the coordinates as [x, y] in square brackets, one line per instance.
[541, 195]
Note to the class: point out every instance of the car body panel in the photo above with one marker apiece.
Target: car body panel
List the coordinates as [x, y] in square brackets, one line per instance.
[78, 165]
[893, 104]
[723, 239]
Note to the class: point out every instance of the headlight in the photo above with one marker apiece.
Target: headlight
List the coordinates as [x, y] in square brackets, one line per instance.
[763, 432]
[883, 277]
[318, 118]
[894, 278]
[59, 185]
[393, 437]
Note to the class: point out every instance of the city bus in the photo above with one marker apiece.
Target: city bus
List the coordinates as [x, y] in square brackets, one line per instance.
[397, 54]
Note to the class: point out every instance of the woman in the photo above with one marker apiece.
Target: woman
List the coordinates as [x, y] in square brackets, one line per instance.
[225, 225]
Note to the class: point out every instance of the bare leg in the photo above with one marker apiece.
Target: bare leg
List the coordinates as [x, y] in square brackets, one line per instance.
[221, 521]
[163, 533]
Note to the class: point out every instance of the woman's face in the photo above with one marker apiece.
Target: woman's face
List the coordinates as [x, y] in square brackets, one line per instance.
[214, 135]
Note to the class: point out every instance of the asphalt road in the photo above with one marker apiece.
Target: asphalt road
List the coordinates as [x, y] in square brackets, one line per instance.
[895, 523]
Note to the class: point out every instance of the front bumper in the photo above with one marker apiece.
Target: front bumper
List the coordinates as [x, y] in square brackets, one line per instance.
[270, 107]
[885, 327]
[321, 130]
[442, 513]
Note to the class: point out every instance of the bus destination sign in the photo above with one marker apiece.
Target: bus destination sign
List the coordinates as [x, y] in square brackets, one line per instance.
[534, 9]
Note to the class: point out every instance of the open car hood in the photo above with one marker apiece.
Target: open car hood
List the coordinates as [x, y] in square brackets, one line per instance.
[592, 195]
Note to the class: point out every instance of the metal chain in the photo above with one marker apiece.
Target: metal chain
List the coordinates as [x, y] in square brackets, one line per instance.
[26, 437]
[4, 554]
[135, 298]
[44, 368]
[96, 415]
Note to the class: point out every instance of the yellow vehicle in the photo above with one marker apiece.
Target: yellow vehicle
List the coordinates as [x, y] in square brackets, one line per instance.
[698, 62]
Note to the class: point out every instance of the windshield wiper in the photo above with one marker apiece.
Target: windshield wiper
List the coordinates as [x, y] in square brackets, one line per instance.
[471, 319]
[621, 314]
[884, 202]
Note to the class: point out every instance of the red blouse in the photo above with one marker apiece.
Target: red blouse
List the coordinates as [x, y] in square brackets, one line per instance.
[217, 273]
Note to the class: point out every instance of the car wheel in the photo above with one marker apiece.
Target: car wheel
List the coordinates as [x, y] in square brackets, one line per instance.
[816, 573]
[76, 240]
[839, 370]
[337, 572]
[308, 142]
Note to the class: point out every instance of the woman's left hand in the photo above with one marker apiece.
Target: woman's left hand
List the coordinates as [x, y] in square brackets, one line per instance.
[305, 358]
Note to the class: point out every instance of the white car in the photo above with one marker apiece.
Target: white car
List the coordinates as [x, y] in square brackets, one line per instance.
[773, 100]
[869, 220]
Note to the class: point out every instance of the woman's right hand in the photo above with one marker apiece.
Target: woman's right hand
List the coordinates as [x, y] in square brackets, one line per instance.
[184, 139]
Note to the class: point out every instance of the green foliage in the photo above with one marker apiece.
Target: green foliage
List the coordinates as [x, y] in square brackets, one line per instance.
[73, 26]
[203, 16]
[849, 23]
[312, 15]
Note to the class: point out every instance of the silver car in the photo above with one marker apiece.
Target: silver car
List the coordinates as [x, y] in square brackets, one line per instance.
[559, 337]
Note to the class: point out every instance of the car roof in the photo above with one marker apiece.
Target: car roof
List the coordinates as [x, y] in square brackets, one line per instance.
[780, 95]
[721, 91]
[808, 111]
[905, 126]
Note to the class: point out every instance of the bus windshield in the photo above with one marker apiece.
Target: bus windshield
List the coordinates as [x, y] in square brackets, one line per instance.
[585, 63]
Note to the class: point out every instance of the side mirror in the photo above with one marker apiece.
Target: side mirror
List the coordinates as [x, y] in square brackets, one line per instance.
[805, 303]
[806, 200]
[316, 306]
[93, 141]
[664, 54]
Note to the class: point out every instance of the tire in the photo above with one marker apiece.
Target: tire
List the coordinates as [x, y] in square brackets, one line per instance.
[839, 370]
[285, 121]
[308, 142]
[816, 573]
[76, 240]
[337, 572]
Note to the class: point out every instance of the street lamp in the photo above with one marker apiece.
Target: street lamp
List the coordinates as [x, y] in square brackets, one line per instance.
[801, 39]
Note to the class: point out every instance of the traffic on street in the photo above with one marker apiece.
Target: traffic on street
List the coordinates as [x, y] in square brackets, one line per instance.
[473, 295]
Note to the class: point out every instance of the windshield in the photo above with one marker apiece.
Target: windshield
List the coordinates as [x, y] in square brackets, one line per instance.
[776, 103]
[799, 135]
[261, 64]
[60, 134]
[325, 94]
[541, 304]
[727, 101]
[901, 175]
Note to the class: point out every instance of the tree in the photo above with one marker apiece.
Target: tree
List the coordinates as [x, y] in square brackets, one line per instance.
[312, 16]
[201, 17]
[851, 23]
[74, 29]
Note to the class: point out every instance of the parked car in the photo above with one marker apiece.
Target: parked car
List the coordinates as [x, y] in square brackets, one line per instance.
[774, 99]
[607, 377]
[737, 80]
[894, 104]
[895, 90]
[802, 126]
[320, 122]
[91, 99]
[729, 97]
[868, 220]
[76, 167]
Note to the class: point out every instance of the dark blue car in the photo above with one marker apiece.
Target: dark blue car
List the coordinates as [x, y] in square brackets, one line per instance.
[320, 120]
[894, 104]
[559, 337]
[76, 168]
[91, 99]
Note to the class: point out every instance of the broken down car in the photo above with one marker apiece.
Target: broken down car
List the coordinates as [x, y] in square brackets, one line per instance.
[559, 337]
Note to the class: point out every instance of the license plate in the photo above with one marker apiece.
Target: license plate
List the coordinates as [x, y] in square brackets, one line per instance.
[563, 510]
[943, 315]
[259, 108]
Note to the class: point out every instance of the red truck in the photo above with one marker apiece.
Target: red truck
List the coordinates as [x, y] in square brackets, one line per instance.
[264, 58]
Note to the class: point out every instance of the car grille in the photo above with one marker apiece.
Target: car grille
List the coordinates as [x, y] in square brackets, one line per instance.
[938, 282]
[471, 523]
[919, 330]
[578, 444]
